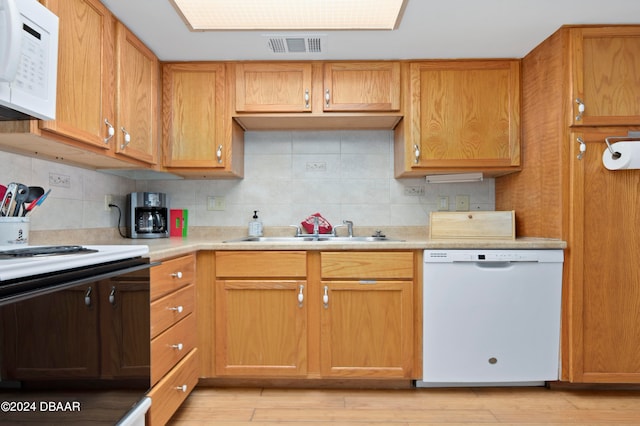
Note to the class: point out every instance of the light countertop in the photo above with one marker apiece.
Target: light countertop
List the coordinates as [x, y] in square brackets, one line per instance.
[412, 238]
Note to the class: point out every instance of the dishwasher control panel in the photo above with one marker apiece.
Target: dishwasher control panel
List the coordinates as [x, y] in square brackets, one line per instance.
[446, 256]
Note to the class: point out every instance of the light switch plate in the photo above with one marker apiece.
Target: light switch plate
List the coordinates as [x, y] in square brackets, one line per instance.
[443, 203]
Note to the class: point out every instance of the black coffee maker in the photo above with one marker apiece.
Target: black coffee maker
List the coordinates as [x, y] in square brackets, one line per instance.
[147, 215]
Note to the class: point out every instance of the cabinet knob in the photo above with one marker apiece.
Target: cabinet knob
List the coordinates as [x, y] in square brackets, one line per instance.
[177, 275]
[182, 388]
[219, 154]
[127, 138]
[580, 109]
[178, 346]
[110, 131]
[178, 309]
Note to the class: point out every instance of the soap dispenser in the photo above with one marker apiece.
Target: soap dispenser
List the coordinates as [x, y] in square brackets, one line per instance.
[255, 226]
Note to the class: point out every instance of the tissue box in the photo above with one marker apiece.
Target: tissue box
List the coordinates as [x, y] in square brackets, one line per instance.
[178, 222]
[489, 225]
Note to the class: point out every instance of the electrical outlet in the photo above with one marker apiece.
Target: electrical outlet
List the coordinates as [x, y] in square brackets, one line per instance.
[443, 203]
[108, 199]
[414, 191]
[216, 203]
[56, 179]
[316, 166]
[462, 203]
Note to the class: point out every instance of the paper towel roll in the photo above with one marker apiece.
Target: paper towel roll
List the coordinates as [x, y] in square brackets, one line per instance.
[629, 156]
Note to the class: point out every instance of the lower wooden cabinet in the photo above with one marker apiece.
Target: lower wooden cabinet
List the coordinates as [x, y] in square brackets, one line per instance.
[295, 314]
[174, 362]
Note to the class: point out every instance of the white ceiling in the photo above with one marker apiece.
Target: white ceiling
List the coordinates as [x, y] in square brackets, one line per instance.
[429, 29]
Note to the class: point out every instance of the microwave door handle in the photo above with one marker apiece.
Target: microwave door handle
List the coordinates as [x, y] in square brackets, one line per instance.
[10, 40]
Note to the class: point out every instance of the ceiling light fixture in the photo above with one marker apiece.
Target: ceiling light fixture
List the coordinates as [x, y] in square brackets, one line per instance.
[206, 15]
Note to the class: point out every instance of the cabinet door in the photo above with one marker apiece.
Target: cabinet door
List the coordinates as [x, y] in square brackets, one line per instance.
[125, 325]
[362, 86]
[464, 115]
[137, 98]
[367, 329]
[85, 89]
[36, 345]
[606, 75]
[601, 269]
[261, 328]
[273, 87]
[193, 116]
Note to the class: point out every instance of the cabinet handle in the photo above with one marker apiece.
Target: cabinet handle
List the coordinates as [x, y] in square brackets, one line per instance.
[583, 147]
[219, 154]
[327, 98]
[182, 388]
[307, 98]
[580, 109]
[177, 275]
[325, 297]
[87, 297]
[178, 309]
[127, 138]
[301, 296]
[112, 295]
[179, 346]
[110, 131]
[416, 153]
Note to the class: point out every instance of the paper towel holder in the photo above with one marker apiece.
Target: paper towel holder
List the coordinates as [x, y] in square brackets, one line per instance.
[630, 135]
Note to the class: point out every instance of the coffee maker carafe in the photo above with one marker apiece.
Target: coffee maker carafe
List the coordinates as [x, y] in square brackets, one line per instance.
[147, 215]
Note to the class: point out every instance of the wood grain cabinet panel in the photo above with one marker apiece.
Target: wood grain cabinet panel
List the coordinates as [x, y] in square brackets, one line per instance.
[171, 275]
[462, 116]
[273, 87]
[605, 75]
[362, 86]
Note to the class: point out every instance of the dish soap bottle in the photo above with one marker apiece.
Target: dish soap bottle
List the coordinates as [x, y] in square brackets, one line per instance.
[255, 226]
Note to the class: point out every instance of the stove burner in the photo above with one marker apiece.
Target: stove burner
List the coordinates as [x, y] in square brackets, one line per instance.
[44, 251]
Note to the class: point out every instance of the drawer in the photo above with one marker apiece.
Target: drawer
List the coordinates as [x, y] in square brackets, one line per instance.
[261, 264]
[172, 390]
[169, 347]
[367, 265]
[171, 275]
[171, 308]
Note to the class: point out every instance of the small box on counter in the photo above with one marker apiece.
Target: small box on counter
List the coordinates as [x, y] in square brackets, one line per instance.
[178, 222]
[492, 225]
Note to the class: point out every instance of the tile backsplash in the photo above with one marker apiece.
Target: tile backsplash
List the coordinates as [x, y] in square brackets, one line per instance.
[288, 175]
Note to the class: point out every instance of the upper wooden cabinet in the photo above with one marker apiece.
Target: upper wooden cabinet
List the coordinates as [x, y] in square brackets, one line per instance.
[605, 76]
[199, 137]
[461, 116]
[317, 95]
[86, 77]
[273, 87]
[361, 86]
[136, 99]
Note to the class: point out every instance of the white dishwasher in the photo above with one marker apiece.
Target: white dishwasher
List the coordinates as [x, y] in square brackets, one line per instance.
[491, 317]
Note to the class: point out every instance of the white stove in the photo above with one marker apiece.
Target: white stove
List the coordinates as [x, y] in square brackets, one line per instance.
[20, 267]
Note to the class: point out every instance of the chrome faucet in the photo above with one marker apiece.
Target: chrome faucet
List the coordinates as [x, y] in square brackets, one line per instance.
[316, 225]
[348, 224]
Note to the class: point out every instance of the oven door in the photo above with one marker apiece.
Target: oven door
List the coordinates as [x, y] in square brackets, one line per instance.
[77, 348]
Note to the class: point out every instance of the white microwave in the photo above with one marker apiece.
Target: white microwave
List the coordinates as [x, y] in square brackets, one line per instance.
[28, 60]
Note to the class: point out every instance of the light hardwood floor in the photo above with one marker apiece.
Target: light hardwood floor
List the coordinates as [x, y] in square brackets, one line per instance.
[415, 407]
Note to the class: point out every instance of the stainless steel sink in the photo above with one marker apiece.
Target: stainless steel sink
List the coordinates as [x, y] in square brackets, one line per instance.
[310, 238]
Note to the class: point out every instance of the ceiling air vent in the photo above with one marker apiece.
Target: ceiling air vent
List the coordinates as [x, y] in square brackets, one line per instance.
[296, 44]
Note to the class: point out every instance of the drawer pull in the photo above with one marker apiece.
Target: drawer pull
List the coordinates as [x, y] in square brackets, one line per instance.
[179, 346]
[177, 275]
[325, 297]
[301, 296]
[182, 388]
[178, 309]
